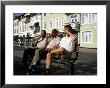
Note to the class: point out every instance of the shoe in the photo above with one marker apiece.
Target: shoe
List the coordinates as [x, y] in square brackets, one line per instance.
[27, 73]
[31, 67]
[30, 71]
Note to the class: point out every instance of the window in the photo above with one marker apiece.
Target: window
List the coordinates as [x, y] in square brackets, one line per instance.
[57, 23]
[51, 25]
[20, 28]
[14, 31]
[94, 18]
[44, 14]
[17, 30]
[63, 21]
[27, 19]
[28, 26]
[44, 25]
[14, 24]
[24, 26]
[84, 18]
[87, 37]
[36, 24]
[88, 18]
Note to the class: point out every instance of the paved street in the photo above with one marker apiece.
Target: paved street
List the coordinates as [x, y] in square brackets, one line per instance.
[86, 65]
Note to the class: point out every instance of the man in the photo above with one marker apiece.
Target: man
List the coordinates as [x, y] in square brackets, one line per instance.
[66, 45]
[41, 53]
[53, 42]
[40, 43]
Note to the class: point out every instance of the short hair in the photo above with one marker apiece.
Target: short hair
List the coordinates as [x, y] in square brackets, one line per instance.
[69, 28]
[55, 31]
[44, 31]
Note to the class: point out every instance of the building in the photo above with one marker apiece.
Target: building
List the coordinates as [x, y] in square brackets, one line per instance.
[52, 20]
[27, 24]
[88, 30]
[85, 25]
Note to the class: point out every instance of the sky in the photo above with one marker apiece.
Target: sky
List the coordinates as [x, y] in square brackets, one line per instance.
[17, 14]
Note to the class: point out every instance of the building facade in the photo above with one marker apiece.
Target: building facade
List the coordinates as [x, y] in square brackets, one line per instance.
[27, 24]
[88, 30]
[52, 20]
[84, 24]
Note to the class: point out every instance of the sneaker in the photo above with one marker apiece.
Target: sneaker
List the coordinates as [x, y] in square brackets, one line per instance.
[30, 70]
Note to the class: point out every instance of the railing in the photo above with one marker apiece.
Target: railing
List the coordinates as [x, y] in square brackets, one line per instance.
[23, 41]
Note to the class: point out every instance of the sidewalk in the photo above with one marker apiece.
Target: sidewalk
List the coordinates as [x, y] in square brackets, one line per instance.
[86, 65]
[88, 50]
[87, 55]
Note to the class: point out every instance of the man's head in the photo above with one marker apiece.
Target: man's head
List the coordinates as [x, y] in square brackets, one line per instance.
[54, 32]
[69, 28]
[43, 33]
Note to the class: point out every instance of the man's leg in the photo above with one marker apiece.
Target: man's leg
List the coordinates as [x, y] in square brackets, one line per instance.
[59, 50]
[36, 57]
[31, 53]
[39, 54]
[48, 60]
[42, 54]
[25, 56]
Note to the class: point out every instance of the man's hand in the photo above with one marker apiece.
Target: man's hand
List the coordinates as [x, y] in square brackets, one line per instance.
[66, 31]
[73, 36]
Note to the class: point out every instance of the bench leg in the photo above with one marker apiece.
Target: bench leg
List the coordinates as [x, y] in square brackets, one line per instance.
[72, 69]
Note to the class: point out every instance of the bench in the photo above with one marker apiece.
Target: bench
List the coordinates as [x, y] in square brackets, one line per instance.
[69, 60]
[66, 60]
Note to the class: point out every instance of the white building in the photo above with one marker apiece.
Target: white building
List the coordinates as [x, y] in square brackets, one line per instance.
[27, 24]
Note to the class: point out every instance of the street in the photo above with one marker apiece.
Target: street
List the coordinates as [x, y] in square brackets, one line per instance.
[85, 65]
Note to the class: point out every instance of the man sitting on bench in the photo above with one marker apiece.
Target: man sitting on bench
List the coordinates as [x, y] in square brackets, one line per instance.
[66, 45]
[40, 43]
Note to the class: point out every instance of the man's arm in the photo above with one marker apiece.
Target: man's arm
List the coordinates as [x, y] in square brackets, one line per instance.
[46, 43]
[36, 40]
[73, 36]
